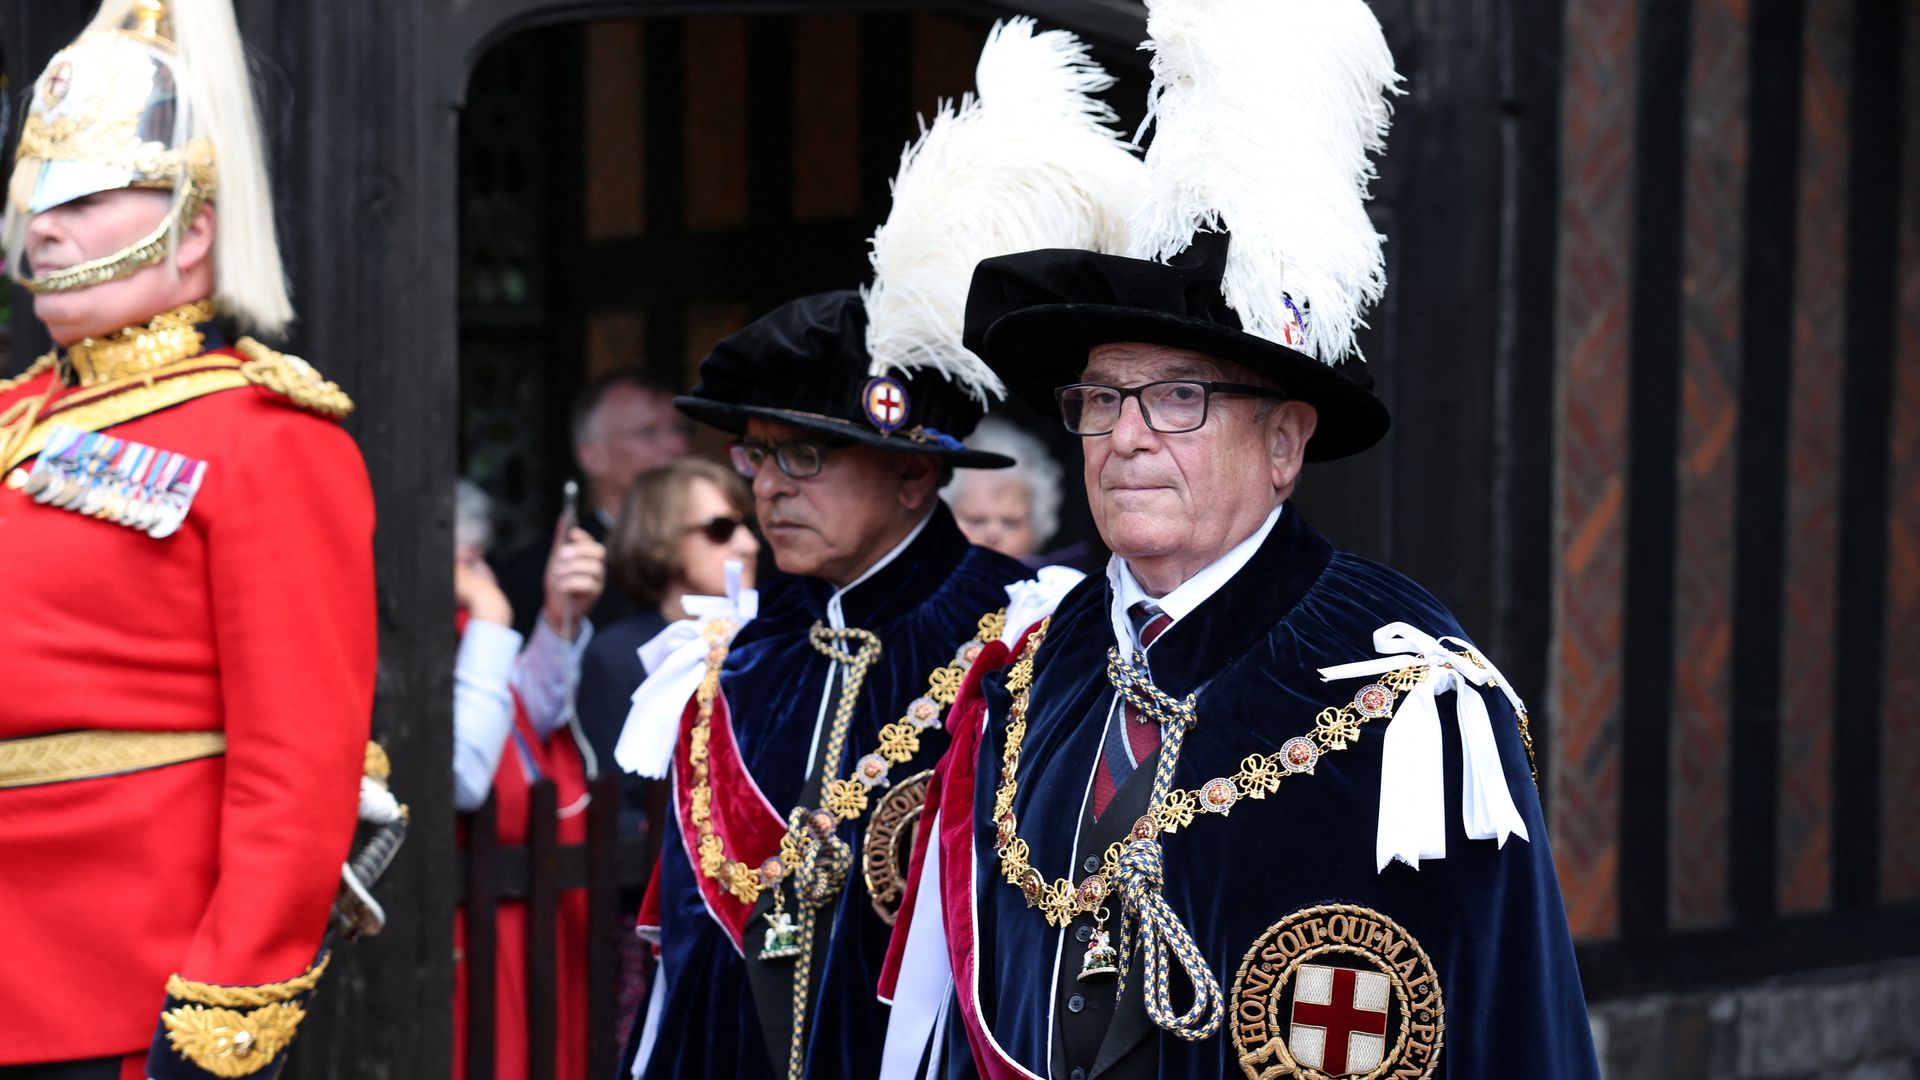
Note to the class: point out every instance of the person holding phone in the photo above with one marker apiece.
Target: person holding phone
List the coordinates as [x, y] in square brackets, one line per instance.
[679, 526]
[511, 730]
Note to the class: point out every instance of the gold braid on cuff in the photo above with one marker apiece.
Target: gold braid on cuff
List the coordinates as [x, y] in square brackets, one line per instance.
[233, 1031]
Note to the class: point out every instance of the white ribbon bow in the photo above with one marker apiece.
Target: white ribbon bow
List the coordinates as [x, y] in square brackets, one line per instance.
[676, 660]
[1412, 769]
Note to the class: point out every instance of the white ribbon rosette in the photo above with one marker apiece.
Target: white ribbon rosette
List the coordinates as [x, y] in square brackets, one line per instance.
[1412, 770]
[1035, 598]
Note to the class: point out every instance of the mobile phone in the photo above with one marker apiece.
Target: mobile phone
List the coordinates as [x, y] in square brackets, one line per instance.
[569, 508]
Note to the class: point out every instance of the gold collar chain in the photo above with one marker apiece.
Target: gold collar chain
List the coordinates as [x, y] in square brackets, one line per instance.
[811, 859]
[843, 798]
[169, 337]
[1259, 775]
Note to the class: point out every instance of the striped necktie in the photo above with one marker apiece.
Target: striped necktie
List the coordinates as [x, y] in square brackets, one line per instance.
[1131, 741]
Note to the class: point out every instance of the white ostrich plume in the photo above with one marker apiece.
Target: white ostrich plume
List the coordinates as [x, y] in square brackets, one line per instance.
[1265, 114]
[251, 283]
[1029, 162]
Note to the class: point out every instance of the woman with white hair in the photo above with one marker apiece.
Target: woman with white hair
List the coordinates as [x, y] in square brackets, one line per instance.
[1013, 511]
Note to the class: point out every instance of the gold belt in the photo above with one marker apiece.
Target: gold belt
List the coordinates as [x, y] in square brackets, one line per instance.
[83, 755]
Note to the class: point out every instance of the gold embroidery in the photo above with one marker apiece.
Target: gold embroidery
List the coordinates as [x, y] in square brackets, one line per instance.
[236, 1030]
[846, 798]
[294, 379]
[228, 1043]
[68, 138]
[82, 755]
[124, 400]
[376, 766]
[168, 338]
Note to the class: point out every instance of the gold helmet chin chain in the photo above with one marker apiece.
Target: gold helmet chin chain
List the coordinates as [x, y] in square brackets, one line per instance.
[149, 250]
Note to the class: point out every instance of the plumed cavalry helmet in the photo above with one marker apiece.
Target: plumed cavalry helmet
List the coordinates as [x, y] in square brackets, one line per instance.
[1254, 243]
[154, 94]
[1029, 161]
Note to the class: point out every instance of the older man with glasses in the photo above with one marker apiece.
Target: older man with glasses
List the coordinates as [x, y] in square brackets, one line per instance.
[883, 594]
[1250, 806]
[802, 757]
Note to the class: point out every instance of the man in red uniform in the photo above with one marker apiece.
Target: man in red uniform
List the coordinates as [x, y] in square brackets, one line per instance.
[186, 571]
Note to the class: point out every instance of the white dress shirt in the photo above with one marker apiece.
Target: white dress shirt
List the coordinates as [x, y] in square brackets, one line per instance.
[1188, 595]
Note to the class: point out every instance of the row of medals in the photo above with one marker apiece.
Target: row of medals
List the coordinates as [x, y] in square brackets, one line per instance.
[116, 480]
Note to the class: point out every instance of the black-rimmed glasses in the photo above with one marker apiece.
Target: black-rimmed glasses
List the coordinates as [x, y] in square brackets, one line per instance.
[798, 460]
[1169, 407]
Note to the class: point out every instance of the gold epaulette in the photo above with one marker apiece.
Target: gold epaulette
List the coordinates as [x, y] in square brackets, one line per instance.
[236, 1030]
[292, 378]
[377, 766]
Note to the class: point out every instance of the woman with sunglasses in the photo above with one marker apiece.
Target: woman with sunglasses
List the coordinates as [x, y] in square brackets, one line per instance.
[678, 527]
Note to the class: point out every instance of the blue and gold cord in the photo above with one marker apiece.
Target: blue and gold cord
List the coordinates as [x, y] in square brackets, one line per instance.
[1144, 913]
[824, 859]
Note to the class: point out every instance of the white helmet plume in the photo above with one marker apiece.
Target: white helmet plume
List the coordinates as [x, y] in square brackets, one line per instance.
[250, 281]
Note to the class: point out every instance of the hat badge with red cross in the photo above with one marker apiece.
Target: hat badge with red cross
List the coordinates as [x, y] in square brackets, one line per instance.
[885, 402]
[59, 77]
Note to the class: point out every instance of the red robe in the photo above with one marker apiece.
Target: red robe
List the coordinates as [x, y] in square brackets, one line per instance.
[557, 759]
[255, 619]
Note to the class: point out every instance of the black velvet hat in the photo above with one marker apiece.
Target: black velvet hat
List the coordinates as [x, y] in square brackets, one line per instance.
[805, 363]
[1253, 244]
[1033, 316]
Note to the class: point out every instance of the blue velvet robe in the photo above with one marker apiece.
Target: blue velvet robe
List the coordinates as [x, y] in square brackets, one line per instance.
[1490, 918]
[923, 606]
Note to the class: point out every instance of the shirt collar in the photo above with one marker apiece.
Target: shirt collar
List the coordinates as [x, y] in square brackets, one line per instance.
[836, 617]
[1188, 595]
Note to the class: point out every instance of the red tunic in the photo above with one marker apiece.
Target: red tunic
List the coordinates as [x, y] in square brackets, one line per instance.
[256, 618]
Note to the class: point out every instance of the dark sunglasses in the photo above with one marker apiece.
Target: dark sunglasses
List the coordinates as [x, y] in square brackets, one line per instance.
[719, 530]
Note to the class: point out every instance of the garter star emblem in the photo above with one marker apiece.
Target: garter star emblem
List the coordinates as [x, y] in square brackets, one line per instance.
[59, 77]
[1336, 991]
[885, 403]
